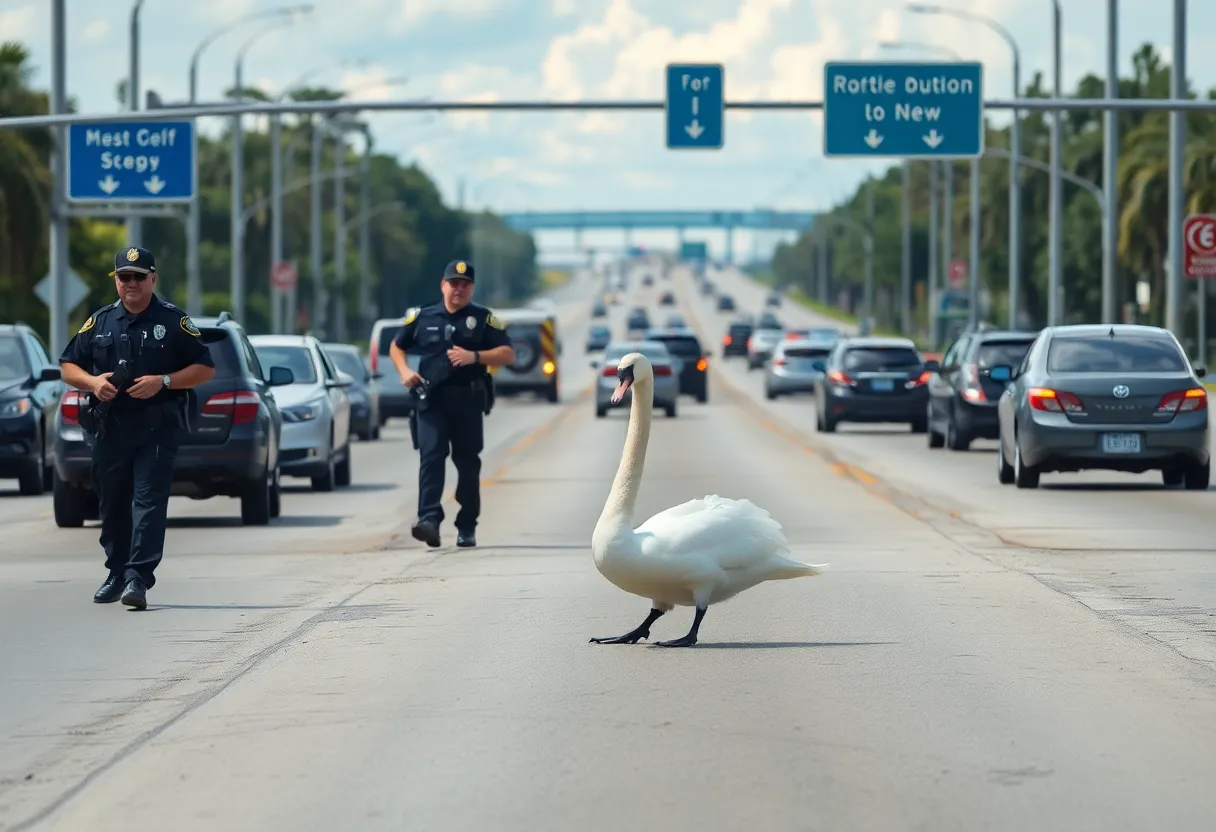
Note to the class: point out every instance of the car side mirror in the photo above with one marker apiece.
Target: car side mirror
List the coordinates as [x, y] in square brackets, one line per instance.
[933, 366]
[1001, 372]
[376, 376]
[342, 380]
[55, 374]
[280, 376]
[1201, 370]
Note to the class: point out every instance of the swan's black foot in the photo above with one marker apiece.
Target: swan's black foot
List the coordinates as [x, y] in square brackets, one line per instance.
[688, 640]
[633, 636]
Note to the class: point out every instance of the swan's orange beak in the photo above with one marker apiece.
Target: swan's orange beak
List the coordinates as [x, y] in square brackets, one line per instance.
[621, 389]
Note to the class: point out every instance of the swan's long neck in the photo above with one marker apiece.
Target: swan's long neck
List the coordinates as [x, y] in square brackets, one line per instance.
[618, 511]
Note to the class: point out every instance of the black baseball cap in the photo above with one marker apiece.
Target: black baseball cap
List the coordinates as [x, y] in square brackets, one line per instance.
[459, 270]
[134, 259]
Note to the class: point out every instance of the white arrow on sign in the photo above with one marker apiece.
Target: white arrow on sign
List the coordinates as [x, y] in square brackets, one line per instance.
[873, 139]
[933, 139]
[108, 185]
[75, 290]
[695, 105]
[154, 185]
[694, 130]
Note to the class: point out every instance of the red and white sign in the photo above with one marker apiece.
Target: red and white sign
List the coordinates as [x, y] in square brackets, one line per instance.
[283, 275]
[1199, 246]
[957, 272]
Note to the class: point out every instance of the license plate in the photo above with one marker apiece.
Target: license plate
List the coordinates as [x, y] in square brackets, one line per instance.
[1121, 443]
[884, 385]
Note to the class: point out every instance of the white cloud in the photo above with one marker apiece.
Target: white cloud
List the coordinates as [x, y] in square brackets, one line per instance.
[413, 13]
[96, 30]
[565, 8]
[18, 24]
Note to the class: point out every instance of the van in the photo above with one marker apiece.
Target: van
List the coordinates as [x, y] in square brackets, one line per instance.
[533, 334]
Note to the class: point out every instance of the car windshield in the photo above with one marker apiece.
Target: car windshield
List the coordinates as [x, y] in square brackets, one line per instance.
[877, 359]
[349, 363]
[683, 346]
[13, 363]
[808, 352]
[1001, 353]
[600, 331]
[386, 338]
[296, 359]
[740, 329]
[1121, 354]
[651, 349]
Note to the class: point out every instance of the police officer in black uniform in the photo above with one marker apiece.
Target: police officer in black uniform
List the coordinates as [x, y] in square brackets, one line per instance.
[135, 359]
[456, 340]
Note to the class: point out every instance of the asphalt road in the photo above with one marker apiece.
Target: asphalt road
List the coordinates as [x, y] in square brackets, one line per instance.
[328, 672]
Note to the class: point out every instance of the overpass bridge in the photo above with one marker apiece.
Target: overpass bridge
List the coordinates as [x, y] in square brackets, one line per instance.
[758, 219]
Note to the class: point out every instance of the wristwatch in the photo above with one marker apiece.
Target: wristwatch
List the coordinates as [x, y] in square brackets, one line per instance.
[476, 357]
[165, 381]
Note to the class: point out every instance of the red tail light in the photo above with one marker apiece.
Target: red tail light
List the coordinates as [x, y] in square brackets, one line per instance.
[1183, 401]
[69, 408]
[923, 378]
[702, 365]
[749, 343]
[727, 340]
[973, 392]
[839, 378]
[778, 362]
[609, 371]
[1054, 401]
[373, 359]
[241, 405]
[662, 371]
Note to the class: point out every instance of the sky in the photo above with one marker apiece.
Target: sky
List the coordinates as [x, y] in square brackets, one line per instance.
[588, 49]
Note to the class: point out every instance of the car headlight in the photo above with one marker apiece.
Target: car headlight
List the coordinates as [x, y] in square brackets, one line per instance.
[11, 410]
[303, 412]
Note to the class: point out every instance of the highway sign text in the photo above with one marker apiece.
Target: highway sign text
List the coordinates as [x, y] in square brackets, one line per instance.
[1199, 245]
[696, 106]
[131, 161]
[933, 110]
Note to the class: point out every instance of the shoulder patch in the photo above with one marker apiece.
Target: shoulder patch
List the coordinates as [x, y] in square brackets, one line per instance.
[188, 326]
[87, 325]
[493, 321]
[410, 317]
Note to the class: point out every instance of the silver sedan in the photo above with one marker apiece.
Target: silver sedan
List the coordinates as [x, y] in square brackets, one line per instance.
[666, 380]
[796, 367]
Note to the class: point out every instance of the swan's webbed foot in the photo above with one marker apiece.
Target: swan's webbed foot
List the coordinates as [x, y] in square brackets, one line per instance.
[687, 640]
[633, 636]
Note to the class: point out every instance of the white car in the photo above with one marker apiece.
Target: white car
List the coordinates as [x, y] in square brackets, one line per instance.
[316, 410]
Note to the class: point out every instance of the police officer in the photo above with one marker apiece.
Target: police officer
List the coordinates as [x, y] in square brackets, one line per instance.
[455, 340]
[136, 358]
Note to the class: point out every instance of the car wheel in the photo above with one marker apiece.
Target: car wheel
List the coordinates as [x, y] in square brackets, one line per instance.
[276, 494]
[1172, 477]
[956, 440]
[920, 425]
[702, 397]
[1198, 477]
[69, 504]
[255, 501]
[552, 394]
[342, 471]
[670, 410]
[826, 424]
[1004, 471]
[325, 482]
[29, 483]
[601, 412]
[1024, 476]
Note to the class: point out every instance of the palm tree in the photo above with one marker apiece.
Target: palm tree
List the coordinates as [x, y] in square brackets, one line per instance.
[24, 172]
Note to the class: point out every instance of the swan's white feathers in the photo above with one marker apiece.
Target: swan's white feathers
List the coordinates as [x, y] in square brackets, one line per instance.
[729, 534]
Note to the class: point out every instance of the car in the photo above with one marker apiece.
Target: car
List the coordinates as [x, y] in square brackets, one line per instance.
[1113, 397]
[726, 303]
[364, 392]
[638, 319]
[767, 320]
[963, 395]
[667, 299]
[689, 360]
[773, 299]
[708, 288]
[598, 338]
[30, 389]
[874, 380]
[599, 309]
[795, 334]
[316, 410]
[648, 280]
[533, 334]
[666, 384]
[734, 342]
[675, 321]
[396, 401]
[760, 346]
[231, 445]
[796, 367]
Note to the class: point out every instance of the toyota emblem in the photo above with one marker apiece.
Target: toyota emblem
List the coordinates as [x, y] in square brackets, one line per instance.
[1121, 391]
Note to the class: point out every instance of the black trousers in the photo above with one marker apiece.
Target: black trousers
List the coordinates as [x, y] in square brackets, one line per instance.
[451, 421]
[132, 475]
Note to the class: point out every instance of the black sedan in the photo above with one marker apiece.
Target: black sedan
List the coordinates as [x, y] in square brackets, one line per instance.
[1107, 397]
[874, 380]
[29, 396]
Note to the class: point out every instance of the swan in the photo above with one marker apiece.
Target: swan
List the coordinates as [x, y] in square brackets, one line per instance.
[695, 554]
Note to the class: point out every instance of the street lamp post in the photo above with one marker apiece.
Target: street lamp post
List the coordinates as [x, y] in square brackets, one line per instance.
[134, 222]
[1110, 169]
[1175, 280]
[1055, 209]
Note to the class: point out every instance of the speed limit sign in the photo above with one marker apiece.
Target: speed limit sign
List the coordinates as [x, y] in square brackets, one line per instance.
[1199, 245]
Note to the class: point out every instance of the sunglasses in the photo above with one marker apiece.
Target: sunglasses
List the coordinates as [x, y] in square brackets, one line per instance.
[127, 277]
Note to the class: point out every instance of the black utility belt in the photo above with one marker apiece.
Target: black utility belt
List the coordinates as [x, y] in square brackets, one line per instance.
[153, 417]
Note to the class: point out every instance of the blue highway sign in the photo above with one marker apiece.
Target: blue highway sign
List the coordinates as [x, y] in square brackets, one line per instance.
[130, 161]
[926, 110]
[696, 106]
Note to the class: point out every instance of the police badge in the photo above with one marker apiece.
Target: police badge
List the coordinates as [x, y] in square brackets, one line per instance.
[158, 332]
[470, 322]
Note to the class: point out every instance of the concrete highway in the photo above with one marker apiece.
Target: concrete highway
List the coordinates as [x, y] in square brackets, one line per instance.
[977, 657]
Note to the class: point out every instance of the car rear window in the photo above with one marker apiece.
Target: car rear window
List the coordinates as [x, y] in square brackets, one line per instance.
[296, 359]
[740, 329]
[1121, 354]
[386, 338]
[1001, 353]
[877, 359]
[683, 347]
[223, 352]
[13, 363]
[349, 363]
[808, 352]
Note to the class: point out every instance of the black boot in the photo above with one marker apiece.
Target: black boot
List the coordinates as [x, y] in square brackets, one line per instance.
[135, 594]
[109, 591]
[466, 540]
[427, 531]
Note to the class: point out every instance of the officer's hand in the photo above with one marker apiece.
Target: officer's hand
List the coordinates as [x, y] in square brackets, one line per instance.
[145, 387]
[410, 378]
[102, 388]
[460, 357]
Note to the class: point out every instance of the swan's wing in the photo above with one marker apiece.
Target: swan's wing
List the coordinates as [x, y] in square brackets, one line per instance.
[730, 533]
